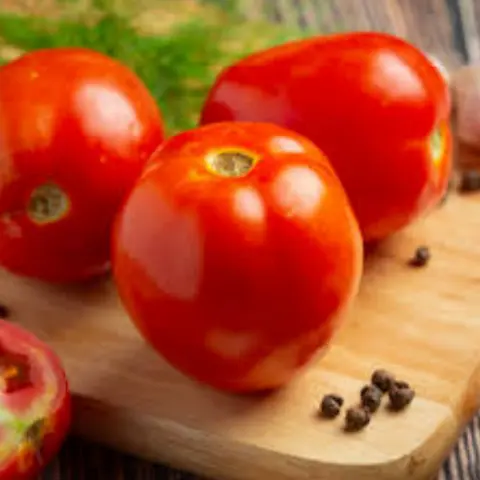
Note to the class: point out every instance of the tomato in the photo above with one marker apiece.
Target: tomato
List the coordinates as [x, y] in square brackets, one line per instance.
[235, 254]
[35, 407]
[373, 103]
[76, 129]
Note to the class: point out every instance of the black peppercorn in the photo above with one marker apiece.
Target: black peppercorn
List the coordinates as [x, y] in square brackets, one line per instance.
[421, 257]
[401, 395]
[331, 405]
[382, 380]
[469, 181]
[371, 397]
[401, 384]
[356, 418]
[4, 312]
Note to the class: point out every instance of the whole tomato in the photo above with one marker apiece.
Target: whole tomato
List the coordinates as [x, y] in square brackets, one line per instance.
[235, 253]
[35, 404]
[76, 129]
[373, 103]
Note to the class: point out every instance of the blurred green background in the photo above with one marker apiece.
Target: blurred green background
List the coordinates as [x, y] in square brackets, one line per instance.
[178, 46]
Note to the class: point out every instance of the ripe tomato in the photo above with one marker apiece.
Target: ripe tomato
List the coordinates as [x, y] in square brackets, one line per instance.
[374, 104]
[235, 252]
[76, 129]
[34, 404]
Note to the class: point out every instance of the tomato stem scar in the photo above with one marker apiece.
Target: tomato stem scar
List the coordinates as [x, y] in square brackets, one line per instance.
[32, 444]
[231, 163]
[48, 203]
[34, 436]
[436, 144]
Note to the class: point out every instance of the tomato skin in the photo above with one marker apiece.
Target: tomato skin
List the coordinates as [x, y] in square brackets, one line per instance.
[81, 121]
[47, 397]
[237, 281]
[370, 101]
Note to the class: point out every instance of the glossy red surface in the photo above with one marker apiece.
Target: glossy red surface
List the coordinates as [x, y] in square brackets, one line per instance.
[85, 123]
[25, 450]
[237, 281]
[370, 101]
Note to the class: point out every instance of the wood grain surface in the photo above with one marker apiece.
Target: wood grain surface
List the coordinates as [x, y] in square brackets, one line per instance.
[423, 324]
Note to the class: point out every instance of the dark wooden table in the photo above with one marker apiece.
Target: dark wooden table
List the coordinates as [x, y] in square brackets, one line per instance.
[80, 460]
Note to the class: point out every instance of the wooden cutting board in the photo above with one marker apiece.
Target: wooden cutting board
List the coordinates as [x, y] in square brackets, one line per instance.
[423, 324]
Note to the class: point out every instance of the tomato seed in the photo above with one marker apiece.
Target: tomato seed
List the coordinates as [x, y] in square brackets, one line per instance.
[14, 373]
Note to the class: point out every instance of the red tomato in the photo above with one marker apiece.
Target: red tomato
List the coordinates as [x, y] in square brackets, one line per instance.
[235, 253]
[34, 404]
[76, 129]
[374, 104]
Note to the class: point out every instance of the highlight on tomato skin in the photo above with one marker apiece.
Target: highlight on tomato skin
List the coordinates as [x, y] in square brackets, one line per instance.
[76, 129]
[373, 103]
[236, 254]
[35, 404]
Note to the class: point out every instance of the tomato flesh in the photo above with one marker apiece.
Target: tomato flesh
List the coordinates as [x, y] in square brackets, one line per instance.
[374, 104]
[235, 254]
[35, 405]
[76, 129]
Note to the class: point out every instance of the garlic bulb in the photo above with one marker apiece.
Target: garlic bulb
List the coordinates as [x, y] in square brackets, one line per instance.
[440, 67]
[465, 84]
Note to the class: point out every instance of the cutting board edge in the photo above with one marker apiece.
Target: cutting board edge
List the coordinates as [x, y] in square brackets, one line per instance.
[97, 422]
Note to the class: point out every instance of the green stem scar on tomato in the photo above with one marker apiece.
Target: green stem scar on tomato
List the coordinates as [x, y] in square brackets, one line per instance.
[230, 163]
[236, 253]
[437, 145]
[34, 404]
